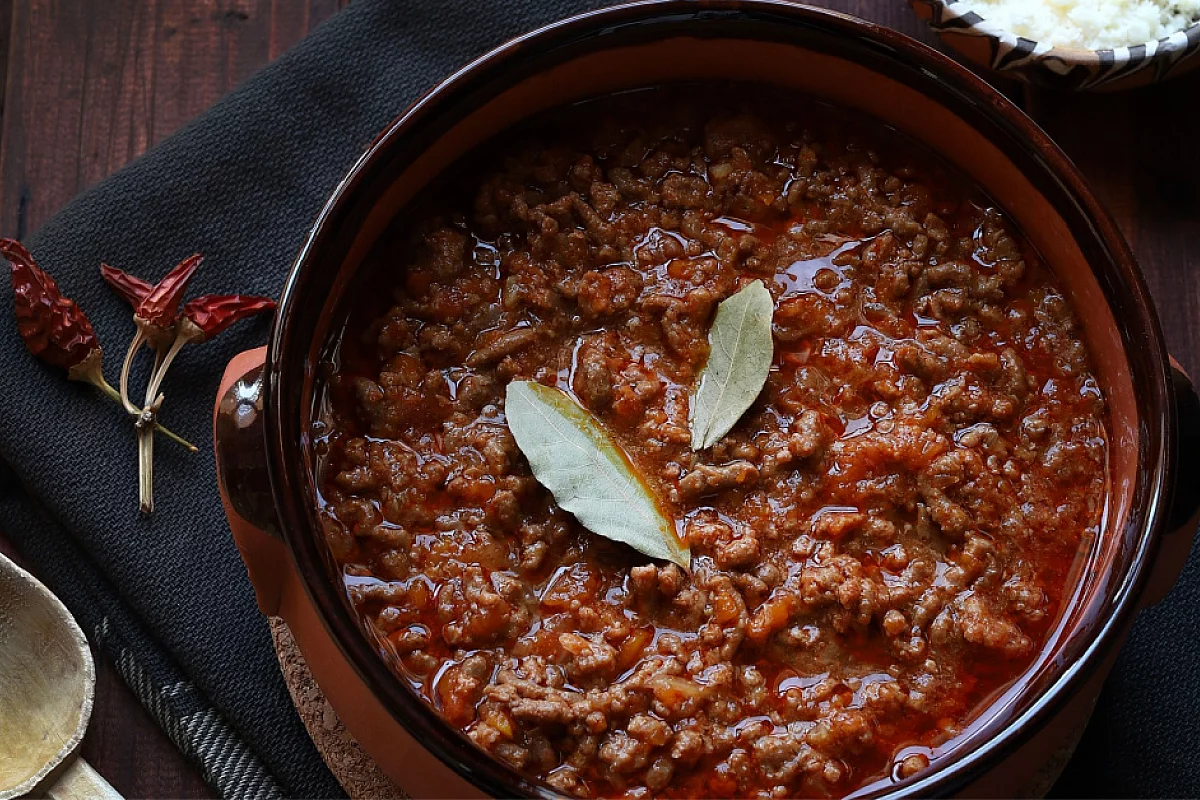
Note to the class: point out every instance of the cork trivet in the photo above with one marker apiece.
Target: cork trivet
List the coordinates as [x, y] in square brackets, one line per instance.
[348, 762]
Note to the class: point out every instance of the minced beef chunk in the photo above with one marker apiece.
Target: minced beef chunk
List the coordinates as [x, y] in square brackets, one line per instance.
[880, 544]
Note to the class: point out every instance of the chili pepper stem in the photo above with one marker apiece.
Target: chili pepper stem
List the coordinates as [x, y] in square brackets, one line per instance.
[108, 390]
[89, 371]
[134, 346]
[159, 426]
[145, 438]
[162, 364]
[145, 425]
[158, 357]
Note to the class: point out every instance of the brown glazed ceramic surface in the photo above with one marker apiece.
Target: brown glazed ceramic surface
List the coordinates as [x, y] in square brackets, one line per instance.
[834, 57]
[1138, 64]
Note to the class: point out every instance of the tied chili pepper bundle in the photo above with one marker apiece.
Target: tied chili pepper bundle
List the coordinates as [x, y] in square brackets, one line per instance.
[154, 314]
[54, 327]
[165, 327]
[203, 318]
[56, 331]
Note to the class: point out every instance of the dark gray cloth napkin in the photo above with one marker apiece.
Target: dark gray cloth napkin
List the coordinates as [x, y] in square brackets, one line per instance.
[167, 596]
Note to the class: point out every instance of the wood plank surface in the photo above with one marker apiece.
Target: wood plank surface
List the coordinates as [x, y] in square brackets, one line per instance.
[1138, 150]
[91, 84]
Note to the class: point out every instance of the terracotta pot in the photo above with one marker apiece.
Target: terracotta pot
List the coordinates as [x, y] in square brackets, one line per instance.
[266, 400]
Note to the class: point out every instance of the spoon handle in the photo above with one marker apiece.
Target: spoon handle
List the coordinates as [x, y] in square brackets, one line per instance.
[80, 782]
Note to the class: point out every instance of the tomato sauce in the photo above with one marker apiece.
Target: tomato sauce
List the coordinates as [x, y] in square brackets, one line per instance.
[880, 545]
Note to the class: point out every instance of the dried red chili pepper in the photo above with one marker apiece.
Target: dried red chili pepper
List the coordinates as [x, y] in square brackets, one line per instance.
[210, 314]
[54, 327]
[131, 288]
[158, 310]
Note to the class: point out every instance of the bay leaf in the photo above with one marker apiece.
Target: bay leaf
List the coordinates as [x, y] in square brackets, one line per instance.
[740, 349]
[587, 472]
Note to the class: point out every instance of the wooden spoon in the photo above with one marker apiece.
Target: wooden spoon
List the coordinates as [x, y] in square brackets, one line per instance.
[47, 682]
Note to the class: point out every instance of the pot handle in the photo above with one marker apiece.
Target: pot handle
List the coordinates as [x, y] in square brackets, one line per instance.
[1184, 498]
[240, 448]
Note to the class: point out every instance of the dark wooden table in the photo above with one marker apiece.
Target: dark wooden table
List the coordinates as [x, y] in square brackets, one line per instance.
[90, 84]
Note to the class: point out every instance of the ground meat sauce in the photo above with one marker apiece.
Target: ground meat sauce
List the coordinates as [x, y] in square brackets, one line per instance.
[880, 545]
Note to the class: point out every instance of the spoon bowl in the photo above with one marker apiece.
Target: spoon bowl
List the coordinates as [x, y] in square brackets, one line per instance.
[47, 686]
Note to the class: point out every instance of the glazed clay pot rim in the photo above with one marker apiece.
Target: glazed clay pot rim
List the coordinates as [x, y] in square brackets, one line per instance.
[502, 66]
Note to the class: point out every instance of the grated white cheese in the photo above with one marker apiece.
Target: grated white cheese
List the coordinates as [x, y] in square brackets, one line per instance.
[1088, 24]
